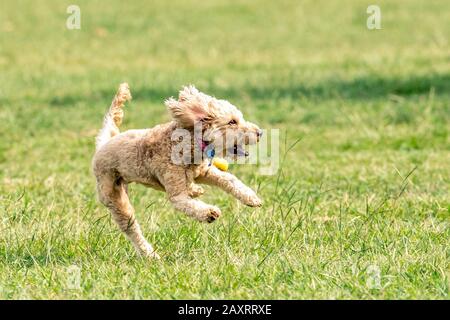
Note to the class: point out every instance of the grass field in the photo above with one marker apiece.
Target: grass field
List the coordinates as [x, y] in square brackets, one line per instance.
[359, 209]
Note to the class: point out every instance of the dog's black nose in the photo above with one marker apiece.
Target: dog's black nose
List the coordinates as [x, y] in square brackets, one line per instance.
[259, 133]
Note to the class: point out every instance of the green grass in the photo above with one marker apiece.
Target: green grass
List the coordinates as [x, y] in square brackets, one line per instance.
[366, 188]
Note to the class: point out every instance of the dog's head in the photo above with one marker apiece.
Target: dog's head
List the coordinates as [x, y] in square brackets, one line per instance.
[223, 125]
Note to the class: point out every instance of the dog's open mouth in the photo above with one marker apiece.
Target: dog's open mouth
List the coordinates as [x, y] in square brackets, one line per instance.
[238, 150]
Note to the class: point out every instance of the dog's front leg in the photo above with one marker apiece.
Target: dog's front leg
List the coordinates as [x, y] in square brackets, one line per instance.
[231, 184]
[178, 189]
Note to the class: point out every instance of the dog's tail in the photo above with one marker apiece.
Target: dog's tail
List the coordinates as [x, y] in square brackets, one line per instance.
[114, 116]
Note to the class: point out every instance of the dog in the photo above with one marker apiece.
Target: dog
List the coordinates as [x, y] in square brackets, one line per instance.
[146, 156]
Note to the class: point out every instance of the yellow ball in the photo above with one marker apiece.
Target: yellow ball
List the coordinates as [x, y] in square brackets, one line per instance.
[220, 163]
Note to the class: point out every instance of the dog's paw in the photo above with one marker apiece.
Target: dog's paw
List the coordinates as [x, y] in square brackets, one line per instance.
[150, 255]
[196, 191]
[146, 251]
[209, 214]
[252, 201]
[154, 255]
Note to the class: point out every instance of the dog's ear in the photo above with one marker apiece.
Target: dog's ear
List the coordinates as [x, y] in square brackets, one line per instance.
[192, 106]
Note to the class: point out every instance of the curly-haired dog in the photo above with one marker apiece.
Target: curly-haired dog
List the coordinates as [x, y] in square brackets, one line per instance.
[147, 157]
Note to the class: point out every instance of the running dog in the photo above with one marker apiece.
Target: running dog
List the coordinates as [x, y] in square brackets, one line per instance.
[146, 156]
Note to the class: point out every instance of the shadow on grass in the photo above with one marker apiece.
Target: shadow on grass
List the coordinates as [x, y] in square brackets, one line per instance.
[358, 88]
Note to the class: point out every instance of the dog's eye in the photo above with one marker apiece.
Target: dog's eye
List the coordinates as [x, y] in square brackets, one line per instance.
[232, 122]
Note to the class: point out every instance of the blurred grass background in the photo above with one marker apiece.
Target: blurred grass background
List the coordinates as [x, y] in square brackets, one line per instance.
[370, 107]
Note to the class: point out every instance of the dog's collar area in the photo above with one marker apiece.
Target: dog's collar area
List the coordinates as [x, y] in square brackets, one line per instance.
[210, 153]
[207, 149]
[202, 144]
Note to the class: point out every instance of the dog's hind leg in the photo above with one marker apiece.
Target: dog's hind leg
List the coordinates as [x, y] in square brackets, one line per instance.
[113, 194]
